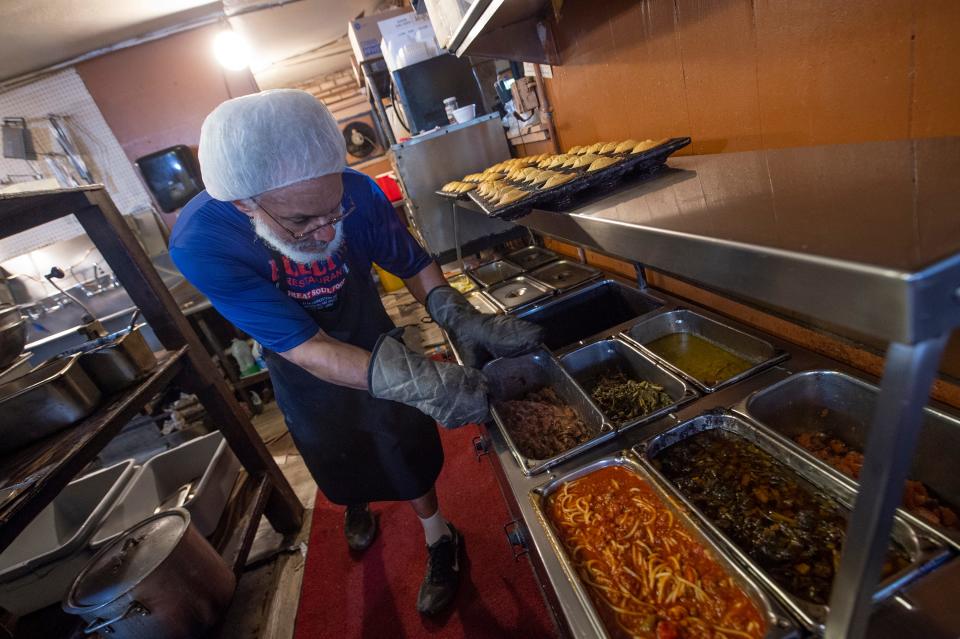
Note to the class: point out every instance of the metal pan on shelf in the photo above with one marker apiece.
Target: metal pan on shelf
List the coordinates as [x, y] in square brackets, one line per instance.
[587, 363]
[116, 361]
[48, 399]
[924, 553]
[518, 292]
[515, 377]
[641, 163]
[755, 353]
[564, 275]
[482, 303]
[779, 625]
[842, 407]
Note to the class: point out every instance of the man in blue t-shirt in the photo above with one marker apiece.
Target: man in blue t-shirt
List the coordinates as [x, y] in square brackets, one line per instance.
[282, 242]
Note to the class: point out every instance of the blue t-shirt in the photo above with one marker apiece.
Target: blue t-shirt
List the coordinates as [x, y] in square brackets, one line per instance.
[214, 246]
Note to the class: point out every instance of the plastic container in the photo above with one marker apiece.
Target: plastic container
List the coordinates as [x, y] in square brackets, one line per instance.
[242, 354]
[450, 105]
[389, 281]
[198, 475]
[465, 114]
[37, 568]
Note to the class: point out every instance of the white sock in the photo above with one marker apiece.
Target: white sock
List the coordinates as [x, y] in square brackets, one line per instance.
[434, 527]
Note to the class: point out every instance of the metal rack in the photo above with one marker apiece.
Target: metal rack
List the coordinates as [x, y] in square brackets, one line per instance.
[42, 470]
[860, 238]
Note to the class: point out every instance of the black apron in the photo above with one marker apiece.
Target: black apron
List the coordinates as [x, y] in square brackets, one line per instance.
[358, 448]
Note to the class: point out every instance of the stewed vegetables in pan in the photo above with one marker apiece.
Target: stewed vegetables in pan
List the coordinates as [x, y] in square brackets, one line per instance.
[622, 398]
[647, 575]
[772, 514]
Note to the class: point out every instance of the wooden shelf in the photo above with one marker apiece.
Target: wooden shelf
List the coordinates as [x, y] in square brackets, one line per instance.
[238, 525]
[50, 464]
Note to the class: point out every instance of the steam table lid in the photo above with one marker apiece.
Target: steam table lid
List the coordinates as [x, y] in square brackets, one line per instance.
[126, 562]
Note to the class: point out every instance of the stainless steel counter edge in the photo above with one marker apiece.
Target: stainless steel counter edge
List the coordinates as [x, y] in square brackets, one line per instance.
[516, 487]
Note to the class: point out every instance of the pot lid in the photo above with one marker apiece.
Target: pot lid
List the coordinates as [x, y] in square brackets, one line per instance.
[123, 564]
[518, 292]
[531, 257]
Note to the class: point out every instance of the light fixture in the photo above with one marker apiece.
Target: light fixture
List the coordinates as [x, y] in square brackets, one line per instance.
[231, 50]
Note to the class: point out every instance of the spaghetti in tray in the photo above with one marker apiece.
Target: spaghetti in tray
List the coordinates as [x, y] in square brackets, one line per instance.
[646, 573]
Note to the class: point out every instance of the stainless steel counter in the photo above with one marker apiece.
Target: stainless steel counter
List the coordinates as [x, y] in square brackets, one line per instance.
[862, 236]
[562, 598]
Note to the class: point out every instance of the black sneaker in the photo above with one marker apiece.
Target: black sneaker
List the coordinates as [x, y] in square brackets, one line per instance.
[360, 526]
[443, 573]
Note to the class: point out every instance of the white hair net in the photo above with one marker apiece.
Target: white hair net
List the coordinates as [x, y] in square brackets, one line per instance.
[267, 140]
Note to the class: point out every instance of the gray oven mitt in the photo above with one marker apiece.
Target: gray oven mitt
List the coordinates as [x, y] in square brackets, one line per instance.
[451, 394]
[478, 336]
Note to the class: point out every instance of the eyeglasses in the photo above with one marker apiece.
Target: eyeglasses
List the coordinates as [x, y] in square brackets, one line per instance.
[324, 222]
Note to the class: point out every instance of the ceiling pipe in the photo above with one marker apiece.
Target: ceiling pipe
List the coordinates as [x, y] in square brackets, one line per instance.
[189, 25]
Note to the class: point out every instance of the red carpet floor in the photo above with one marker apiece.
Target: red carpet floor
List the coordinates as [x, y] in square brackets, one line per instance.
[373, 595]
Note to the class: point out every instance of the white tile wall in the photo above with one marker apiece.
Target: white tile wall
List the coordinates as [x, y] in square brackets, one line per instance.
[65, 94]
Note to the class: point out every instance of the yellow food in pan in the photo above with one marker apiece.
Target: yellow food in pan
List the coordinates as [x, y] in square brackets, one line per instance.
[558, 179]
[646, 145]
[625, 146]
[608, 147]
[602, 163]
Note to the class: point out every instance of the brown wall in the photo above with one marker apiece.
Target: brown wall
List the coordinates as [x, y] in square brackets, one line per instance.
[746, 74]
[157, 94]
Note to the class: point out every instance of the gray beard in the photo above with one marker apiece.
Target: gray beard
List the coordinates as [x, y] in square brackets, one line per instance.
[304, 252]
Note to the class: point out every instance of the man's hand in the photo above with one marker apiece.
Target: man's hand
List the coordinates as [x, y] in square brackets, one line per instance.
[453, 395]
[479, 337]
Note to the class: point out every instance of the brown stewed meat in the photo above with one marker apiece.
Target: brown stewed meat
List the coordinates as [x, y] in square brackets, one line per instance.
[543, 425]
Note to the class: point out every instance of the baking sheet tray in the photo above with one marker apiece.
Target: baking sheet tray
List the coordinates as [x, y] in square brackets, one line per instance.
[779, 625]
[645, 162]
[925, 553]
[514, 377]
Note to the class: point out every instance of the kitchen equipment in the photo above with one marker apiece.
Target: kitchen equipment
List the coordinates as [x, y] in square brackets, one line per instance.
[514, 377]
[18, 368]
[17, 140]
[207, 464]
[422, 86]
[494, 272]
[36, 570]
[465, 114]
[925, 553]
[480, 302]
[631, 166]
[518, 292]
[92, 327]
[757, 352]
[158, 580]
[564, 275]
[13, 336]
[462, 283]
[611, 355]
[779, 625]
[45, 400]
[116, 361]
[574, 317]
[530, 257]
[842, 406]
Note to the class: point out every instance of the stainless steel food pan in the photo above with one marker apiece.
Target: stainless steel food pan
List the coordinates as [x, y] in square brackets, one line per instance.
[116, 361]
[514, 377]
[482, 303]
[494, 272]
[597, 309]
[924, 552]
[564, 275]
[843, 406]
[518, 292]
[45, 400]
[587, 363]
[757, 351]
[779, 625]
[531, 257]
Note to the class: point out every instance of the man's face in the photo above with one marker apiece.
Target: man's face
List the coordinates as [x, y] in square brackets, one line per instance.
[293, 219]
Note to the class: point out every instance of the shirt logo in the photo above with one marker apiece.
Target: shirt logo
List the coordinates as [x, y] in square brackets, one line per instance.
[315, 286]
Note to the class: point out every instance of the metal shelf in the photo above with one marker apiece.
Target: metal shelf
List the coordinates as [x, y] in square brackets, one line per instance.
[44, 468]
[863, 237]
[511, 29]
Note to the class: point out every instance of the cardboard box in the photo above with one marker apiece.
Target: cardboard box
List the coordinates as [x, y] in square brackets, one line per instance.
[364, 33]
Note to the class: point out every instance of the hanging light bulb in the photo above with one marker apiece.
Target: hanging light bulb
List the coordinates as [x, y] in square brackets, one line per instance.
[231, 50]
